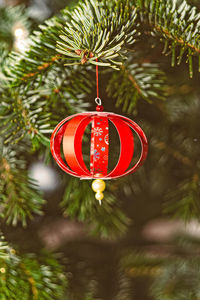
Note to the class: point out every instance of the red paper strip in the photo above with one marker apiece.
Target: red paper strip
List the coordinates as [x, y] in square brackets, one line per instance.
[99, 146]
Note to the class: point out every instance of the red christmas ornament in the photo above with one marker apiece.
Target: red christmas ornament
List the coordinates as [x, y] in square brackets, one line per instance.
[69, 134]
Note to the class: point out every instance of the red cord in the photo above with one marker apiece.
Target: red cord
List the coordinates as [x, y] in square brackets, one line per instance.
[97, 78]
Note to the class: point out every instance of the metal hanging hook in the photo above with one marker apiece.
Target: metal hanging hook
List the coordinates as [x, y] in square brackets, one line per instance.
[97, 101]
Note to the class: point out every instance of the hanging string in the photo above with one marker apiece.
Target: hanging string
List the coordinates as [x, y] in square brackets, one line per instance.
[98, 100]
[97, 78]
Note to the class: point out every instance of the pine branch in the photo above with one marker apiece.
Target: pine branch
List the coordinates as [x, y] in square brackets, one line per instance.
[105, 33]
[183, 202]
[174, 277]
[19, 196]
[136, 81]
[41, 56]
[3, 64]
[96, 30]
[22, 109]
[4, 248]
[79, 202]
[27, 111]
[67, 86]
[88, 287]
[125, 290]
[27, 277]
[174, 153]
[22, 115]
[178, 25]
[138, 264]
[179, 280]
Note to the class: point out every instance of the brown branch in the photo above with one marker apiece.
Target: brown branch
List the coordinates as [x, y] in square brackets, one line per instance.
[177, 155]
[132, 79]
[42, 67]
[5, 169]
[178, 40]
[144, 271]
[31, 281]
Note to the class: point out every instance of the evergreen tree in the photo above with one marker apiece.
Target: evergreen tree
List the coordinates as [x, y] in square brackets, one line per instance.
[148, 53]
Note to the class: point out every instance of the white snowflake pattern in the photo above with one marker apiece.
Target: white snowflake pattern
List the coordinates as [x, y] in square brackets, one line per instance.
[98, 131]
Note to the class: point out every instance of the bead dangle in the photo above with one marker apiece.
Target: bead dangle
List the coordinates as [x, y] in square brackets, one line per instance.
[68, 136]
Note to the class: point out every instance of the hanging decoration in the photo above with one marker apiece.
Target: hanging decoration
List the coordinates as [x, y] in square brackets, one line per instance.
[68, 136]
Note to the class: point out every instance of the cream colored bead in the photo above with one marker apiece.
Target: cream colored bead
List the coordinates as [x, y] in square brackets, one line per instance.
[99, 196]
[98, 185]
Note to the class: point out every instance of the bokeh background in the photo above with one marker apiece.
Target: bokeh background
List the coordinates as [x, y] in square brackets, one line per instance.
[152, 252]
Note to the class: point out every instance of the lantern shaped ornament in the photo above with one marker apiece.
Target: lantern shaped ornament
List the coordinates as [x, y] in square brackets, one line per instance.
[68, 134]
